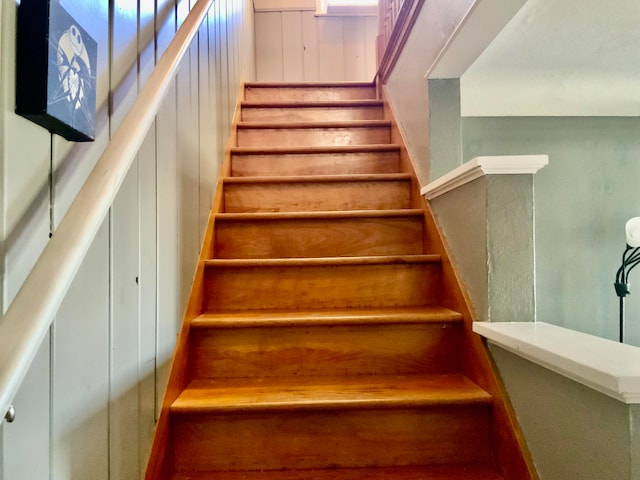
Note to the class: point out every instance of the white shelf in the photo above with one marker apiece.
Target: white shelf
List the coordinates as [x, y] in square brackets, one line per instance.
[479, 166]
[609, 367]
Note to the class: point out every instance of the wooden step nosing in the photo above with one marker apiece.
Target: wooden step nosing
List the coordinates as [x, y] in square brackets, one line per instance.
[417, 214]
[303, 319]
[338, 124]
[310, 85]
[203, 397]
[318, 150]
[324, 261]
[462, 471]
[342, 405]
[306, 104]
[321, 179]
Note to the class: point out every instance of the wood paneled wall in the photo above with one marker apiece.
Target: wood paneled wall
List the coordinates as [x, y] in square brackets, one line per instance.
[87, 407]
[295, 46]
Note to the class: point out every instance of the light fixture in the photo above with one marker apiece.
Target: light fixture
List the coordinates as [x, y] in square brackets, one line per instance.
[630, 259]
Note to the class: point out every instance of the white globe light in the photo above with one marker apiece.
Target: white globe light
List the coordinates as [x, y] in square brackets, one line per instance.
[633, 232]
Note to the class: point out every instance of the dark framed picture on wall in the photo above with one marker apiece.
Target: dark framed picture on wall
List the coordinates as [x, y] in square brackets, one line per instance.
[55, 70]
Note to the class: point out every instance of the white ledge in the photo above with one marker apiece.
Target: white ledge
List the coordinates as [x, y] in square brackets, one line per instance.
[609, 367]
[479, 166]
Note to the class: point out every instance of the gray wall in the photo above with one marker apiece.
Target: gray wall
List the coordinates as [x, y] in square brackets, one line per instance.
[491, 245]
[573, 432]
[582, 200]
[87, 406]
[445, 133]
[408, 90]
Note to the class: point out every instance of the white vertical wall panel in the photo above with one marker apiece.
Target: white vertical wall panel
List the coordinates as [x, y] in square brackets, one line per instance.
[206, 128]
[24, 226]
[124, 259]
[300, 46]
[124, 65]
[148, 243]
[370, 47]
[292, 46]
[124, 394]
[215, 135]
[167, 216]
[331, 48]
[168, 272]
[311, 52]
[148, 287]
[26, 440]
[354, 54]
[269, 48]
[188, 172]
[224, 66]
[25, 186]
[80, 371]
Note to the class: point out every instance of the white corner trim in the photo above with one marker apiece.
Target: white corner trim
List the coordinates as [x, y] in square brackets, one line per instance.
[604, 365]
[479, 166]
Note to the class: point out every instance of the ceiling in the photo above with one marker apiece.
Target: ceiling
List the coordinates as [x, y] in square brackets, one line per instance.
[560, 57]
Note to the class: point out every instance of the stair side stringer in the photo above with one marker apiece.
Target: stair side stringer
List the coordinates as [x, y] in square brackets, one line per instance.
[160, 461]
[512, 453]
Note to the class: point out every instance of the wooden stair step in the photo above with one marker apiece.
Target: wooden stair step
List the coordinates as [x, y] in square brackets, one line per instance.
[317, 192]
[312, 111]
[264, 134]
[324, 343]
[319, 234]
[328, 91]
[438, 472]
[333, 317]
[317, 283]
[204, 397]
[348, 422]
[306, 160]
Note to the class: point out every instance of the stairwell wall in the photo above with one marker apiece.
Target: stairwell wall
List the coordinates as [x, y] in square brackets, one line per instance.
[581, 201]
[297, 46]
[88, 404]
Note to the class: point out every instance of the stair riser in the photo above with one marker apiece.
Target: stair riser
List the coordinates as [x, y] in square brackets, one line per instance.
[311, 114]
[296, 440]
[350, 286]
[318, 238]
[256, 165]
[309, 196]
[399, 349]
[304, 137]
[315, 94]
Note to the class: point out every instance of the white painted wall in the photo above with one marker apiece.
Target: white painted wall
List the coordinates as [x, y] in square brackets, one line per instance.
[87, 407]
[297, 45]
[569, 58]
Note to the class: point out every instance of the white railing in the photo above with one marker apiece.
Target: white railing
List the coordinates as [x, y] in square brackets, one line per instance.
[29, 316]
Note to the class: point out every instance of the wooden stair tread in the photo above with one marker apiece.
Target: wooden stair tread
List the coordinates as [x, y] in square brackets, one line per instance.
[327, 261]
[314, 393]
[328, 149]
[429, 314]
[308, 84]
[363, 177]
[439, 472]
[319, 125]
[319, 215]
[312, 103]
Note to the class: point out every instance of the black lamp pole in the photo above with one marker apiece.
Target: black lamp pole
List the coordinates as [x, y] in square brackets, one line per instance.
[630, 259]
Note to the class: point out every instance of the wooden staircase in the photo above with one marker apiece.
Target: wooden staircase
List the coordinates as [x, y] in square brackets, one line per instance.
[327, 336]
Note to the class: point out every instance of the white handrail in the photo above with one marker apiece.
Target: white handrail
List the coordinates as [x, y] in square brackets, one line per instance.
[29, 316]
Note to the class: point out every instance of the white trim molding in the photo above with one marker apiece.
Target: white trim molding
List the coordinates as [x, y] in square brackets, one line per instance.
[480, 166]
[604, 365]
